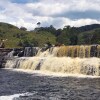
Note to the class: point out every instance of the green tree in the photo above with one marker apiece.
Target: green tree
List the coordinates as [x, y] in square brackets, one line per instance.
[63, 39]
[23, 28]
[96, 37]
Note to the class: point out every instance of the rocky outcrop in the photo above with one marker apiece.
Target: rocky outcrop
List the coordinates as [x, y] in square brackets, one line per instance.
[3, 53]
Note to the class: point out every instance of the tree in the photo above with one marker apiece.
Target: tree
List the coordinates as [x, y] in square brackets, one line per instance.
[34, 42]
[63, 39]
[58, 32]
[96, 37]
[85, 38]
[23, 28]
[38, 24]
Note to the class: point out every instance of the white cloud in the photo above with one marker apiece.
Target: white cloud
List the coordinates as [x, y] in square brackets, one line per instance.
[47, 12]
[59, 6]
[81, 22]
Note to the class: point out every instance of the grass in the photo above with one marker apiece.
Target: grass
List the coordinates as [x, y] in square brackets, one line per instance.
[14, 35]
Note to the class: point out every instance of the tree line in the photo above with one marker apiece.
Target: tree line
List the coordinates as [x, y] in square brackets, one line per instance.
[85, 35]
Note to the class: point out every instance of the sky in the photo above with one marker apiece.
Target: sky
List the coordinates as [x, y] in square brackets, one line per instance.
[58, 13]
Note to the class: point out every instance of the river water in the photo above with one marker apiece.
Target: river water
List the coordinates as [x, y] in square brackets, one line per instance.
[31, 85]
[59, 73]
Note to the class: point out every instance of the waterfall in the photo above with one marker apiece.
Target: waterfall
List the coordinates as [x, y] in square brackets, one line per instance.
[64, 59]
[10, 54]
[98, 51]
[31, 51]
[87, 66]
[28, 51]
[82, 51]
[79, 51]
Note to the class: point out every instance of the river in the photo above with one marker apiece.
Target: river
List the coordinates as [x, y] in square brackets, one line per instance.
[30, 85]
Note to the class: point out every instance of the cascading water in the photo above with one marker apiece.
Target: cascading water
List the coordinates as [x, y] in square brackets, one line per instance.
[28, 51]
[64, 59]
[79, 51]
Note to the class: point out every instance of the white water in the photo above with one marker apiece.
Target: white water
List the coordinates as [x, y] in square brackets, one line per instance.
[14, 96]
[50, 73]
[86, 66]
[48, 61]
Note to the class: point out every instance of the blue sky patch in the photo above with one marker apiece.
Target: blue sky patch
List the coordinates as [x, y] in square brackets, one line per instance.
[24, 1]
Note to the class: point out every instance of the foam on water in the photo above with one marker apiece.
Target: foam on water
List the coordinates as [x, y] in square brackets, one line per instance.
[51, 74]
[86, 66]
[14, 96]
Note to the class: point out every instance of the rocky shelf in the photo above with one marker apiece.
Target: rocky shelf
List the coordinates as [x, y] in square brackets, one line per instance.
[3, 53]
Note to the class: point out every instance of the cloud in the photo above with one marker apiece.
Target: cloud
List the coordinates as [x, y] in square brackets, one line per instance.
[78, 15]
[59, 7]
[50, 12]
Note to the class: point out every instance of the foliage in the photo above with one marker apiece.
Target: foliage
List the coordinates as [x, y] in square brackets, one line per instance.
[19, 38]
[89, 37]
[23, 28]
[89, 34]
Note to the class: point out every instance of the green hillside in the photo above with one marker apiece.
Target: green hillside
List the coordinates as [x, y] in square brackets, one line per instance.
[17, 37]
[89, 37]
[85, 35]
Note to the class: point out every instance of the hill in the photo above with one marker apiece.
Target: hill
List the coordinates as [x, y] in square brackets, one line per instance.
[89, 34]
[85, 35]
[17, 37]
[89, 27]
